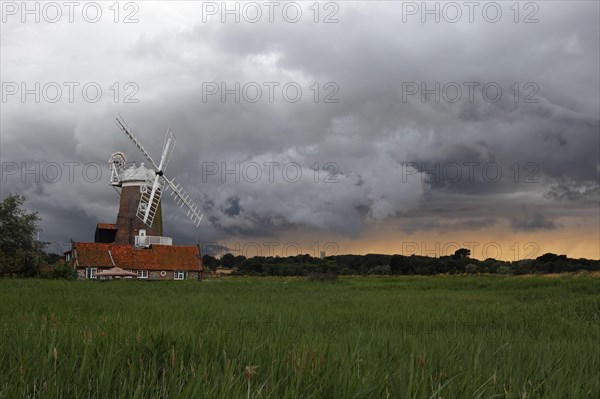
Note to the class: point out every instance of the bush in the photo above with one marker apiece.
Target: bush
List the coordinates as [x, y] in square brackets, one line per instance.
[471, 268]
[380, 271]
[503, 270]
[523, 267]
[59, 270]
[62, 271]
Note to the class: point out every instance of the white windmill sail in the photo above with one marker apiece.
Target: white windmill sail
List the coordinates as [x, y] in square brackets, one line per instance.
[150, 199]
[155, 185]
[182, 199]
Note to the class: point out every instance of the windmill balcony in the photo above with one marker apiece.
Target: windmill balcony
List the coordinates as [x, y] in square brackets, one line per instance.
[152, 240]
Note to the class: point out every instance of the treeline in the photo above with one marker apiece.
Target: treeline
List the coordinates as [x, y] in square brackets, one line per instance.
[376, 264]
[22, 255]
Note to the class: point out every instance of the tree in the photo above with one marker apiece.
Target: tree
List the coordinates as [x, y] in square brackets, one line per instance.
[400, 265]
[51, 258]
[20, 253]
[238, 260]
[228, 261]
[461, 253]
[210, 261]
[250, 265]
[550, 257]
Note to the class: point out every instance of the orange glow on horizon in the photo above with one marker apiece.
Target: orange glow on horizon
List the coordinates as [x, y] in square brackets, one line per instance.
[498, 242]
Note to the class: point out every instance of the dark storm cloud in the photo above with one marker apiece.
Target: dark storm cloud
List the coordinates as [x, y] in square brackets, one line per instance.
[587, 193]
[382, 148]
[536, 222]
[233, 207]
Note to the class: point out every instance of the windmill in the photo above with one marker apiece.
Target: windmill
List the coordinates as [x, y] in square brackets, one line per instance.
[155, 181]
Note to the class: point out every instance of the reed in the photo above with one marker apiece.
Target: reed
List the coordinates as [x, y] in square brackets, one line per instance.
[408, 337]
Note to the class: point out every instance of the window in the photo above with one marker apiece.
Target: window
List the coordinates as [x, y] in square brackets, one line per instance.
[68, 256]
[179, 275]
[142, 273]
[91, 273]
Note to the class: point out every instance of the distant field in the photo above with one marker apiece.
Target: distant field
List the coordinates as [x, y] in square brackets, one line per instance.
[438, 337]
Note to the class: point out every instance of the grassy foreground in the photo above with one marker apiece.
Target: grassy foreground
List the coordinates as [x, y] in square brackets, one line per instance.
[438, 337]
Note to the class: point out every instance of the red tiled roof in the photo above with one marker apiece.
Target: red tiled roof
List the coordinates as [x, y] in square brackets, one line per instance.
[107, 226]
[126, 256]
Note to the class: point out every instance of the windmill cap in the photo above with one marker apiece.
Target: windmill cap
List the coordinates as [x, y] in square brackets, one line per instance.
[137, 174]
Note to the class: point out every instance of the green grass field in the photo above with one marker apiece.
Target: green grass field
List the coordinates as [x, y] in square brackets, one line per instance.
[421, 337]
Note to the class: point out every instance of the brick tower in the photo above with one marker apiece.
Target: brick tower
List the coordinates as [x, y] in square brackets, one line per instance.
[128, 224]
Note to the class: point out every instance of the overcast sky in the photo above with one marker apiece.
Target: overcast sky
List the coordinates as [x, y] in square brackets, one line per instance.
[359, 126]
